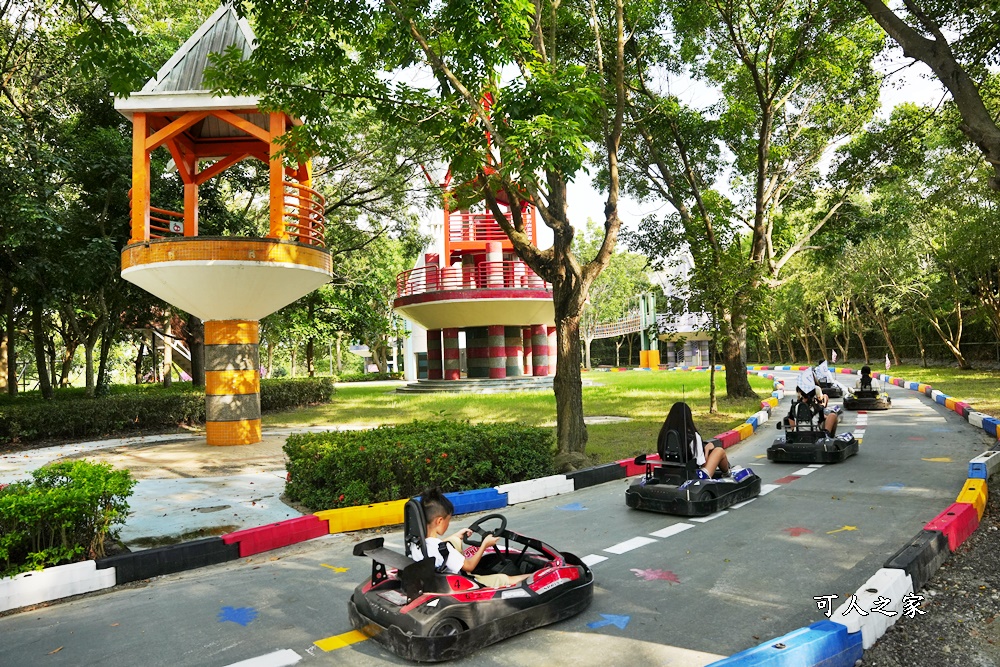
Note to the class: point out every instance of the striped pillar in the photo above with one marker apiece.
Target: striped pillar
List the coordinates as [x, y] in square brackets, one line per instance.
[452, 364]
[526, 347]
[539, 350]
[497, 352]
[494, 266]
[477, 352]
[434, 354]
[513, 351]
[469, 271]
[232, 382]
[553, 350]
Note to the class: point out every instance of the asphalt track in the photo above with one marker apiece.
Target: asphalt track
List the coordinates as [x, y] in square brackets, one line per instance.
[664, 593]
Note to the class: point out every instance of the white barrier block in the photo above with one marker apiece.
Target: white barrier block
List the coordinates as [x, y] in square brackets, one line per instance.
[976, 418]
[985, 465]
[53, 583]
[533, 489]
[886, 584]
[762, 417]
[934, 394]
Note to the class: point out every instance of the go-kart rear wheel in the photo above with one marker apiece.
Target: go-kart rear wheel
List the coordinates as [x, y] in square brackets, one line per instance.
[447, 627]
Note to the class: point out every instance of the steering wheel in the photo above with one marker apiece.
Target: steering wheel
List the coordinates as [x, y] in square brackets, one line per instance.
[477, 529]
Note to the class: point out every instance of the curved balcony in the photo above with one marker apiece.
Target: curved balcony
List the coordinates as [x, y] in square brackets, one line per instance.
[489, 293]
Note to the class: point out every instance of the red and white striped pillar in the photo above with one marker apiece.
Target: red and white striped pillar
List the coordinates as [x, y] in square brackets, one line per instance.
[498, 352]
[539, 350]
[513, 351]
[553, 350]
[434, 354]
[526, 346]
[452, 364]
[477, 352]
[494, 266]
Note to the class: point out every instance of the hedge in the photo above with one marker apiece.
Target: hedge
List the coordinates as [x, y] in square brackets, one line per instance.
[368, 377]
[346, 468]
[64, 514]
[139, 410]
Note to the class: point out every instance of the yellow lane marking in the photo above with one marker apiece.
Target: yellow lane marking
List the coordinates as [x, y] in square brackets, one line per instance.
[340, 641]
[336, 568]
[831, 532]
[939, 459]
[761, 456]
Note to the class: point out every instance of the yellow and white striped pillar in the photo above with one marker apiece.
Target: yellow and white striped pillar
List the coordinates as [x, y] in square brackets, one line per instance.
[232, 382]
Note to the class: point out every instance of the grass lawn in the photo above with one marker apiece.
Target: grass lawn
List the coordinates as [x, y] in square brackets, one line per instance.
[979, 388]
[643, 397]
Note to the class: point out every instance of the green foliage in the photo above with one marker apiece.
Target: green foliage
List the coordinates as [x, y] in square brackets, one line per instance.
[290, 393]
[65, 514]
[346, 468]
[368, 377]
[137, 408]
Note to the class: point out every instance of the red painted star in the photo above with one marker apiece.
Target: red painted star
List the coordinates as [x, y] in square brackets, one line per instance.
[796, 531]
[653, 575]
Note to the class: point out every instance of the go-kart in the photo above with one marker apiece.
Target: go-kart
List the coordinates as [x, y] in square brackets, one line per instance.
[805, 442]
[867, 399]
[672, 485]
[426, 616]
[831, 389]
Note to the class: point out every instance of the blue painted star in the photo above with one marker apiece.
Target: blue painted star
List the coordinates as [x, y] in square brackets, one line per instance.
[611, 619]
[572, 507]
[241, 615]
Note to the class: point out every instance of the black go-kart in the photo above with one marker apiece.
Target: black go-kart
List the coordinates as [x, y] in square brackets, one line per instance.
[426, 616]
[672, 485]
[867, 399]
[805, 442]
[831, 389]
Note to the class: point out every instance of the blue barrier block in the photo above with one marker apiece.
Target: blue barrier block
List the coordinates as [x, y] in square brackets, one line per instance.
[990, 425]
[939, 399]
[915, 386]
[783, 368]
[822, 644]
[753, 422]
[984, 465]
[477, 501]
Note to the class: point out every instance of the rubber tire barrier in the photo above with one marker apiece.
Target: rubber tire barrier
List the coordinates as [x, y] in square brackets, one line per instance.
[151, 563]
[921, 558]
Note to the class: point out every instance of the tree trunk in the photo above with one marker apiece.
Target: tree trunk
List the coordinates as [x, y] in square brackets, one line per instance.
[571, 431]
[920, 344]
[310, 357]
[587, 341]
[734, 355]
[50, 349]
[38, 336]
[340, 353]
[11, 339]
[618, 352]
[138, 360]
[270, 357]
[293, 351]
[67, 362]
[195, 340]
[108, 336]
[168, 354]
[713, 404]
[154, 357]
[884, 325]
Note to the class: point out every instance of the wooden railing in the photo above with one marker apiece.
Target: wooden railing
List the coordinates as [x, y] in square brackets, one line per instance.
[163, 223]
[483, 276]
[305, 215]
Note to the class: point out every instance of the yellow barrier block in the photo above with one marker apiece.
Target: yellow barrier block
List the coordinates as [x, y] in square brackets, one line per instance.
[949, 403]
[974, 493]
[347, 519]
[773, 402]
[745, 430]
[922, 388]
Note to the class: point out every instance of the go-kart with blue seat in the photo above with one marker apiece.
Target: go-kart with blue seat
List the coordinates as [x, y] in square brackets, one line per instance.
[806, 442]
[424, 615]
[672, 484]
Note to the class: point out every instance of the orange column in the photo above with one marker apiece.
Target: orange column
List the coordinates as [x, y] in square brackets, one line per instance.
[277, 190]
[140, 179]
[232, 382]
[191, 196]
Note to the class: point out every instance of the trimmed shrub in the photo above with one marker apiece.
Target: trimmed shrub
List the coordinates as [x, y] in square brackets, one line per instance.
[368, 377]
[134, 408]
[346, 468]
[65, 514]
[293, 393]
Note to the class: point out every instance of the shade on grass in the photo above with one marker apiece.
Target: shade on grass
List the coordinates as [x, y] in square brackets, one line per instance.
[643, 397]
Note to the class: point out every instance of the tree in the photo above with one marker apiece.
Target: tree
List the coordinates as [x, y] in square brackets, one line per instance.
[613, 293]
[962, 66]
[544, 80]
[795, 79]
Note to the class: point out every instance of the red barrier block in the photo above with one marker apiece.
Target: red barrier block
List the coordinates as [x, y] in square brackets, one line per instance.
[631, 469]
[848, 371]
[276, 535]
[898, 382]
[957, 522]
[728, 439]
[963, 409]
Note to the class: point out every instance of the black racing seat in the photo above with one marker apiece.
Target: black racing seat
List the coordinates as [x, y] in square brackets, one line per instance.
[414, 527]
[866, 393]
[676, 455]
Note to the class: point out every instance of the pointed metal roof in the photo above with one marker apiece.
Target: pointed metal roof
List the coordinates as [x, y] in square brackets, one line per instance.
[185, 71]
